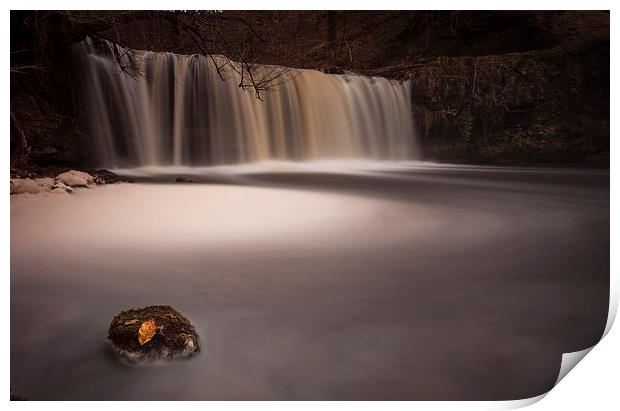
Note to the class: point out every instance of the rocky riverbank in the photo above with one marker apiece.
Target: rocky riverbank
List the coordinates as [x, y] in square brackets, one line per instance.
[35, 181]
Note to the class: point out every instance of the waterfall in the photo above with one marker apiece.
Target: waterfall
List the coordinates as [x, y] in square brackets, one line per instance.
[176, 110]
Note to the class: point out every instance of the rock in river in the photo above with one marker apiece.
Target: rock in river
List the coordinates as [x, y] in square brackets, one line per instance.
[74, 178]
[153, 333]
[24, 185]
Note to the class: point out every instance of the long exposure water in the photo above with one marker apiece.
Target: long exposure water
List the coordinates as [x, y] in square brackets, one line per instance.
[357, 275]
[315, 282]
[176, 110]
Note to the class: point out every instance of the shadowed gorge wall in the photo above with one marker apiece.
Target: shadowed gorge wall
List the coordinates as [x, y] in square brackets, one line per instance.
[486, 86]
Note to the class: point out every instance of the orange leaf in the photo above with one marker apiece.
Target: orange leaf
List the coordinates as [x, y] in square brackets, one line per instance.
[147, 331]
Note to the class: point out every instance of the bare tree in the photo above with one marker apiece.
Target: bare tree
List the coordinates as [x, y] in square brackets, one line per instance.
[204, 30]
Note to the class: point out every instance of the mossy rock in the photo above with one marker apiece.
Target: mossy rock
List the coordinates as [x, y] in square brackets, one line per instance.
[171, 335]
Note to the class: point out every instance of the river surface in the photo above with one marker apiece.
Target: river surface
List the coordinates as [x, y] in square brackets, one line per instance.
[315, 282]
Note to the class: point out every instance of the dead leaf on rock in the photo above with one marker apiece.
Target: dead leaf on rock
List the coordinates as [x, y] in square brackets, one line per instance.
[131, 322]
[147, 331]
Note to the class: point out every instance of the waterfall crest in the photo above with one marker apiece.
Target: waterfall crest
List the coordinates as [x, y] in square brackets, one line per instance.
[178, 111]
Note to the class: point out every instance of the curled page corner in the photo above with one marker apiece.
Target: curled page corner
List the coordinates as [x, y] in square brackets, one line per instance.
[514, 404]
[569, 361]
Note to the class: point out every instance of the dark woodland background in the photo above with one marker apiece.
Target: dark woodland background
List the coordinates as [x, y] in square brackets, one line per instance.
[508, 87]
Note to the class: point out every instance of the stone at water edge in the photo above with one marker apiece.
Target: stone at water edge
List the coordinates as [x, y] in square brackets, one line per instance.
[184, 180]
[75, 178]
[62, 183]
[30, 186]
[58, 186]
[174, 336]
[47, 183]
[24, 185]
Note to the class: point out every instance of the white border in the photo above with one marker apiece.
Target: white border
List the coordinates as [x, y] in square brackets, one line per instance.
[593, 385]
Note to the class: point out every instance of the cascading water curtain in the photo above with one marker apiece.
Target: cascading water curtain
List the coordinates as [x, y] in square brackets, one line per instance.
[176, 110]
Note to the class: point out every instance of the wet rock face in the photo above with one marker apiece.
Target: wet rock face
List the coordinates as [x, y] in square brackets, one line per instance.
[157, 332]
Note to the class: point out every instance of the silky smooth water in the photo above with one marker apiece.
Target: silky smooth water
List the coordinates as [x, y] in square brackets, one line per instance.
[176, 110]
[313, 281]
[309, 283]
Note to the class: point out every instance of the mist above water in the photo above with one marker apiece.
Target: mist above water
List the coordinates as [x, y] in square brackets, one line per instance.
[403, 283]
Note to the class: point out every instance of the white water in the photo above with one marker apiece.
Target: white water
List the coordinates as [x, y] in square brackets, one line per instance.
[178, 111]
